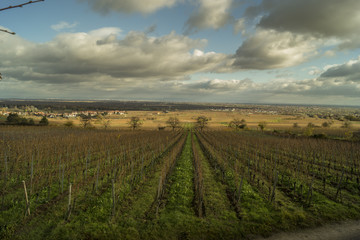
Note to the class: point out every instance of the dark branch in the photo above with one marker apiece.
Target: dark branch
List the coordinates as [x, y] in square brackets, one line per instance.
[3, 30]
[21, 5]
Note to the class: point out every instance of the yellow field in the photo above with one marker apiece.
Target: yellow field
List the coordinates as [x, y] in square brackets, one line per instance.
[154, 119]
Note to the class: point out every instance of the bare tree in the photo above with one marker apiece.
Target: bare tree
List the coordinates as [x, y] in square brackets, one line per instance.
[135, 123]
[262, 125]
[238, 124]
[17, 6]
[103, 121]
[85, 121]
[173, 122]
[202, 121]
[20, 5]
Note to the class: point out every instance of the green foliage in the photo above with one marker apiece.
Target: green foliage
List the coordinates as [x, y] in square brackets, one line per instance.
[320, 135]
[238, 124]
[326, 124]
[262, 125]
[44, 121]
[311, 125]
[352, 118]
[308, 131]
[181, 192]
[69, 124]
[346, 124]
[15, 119]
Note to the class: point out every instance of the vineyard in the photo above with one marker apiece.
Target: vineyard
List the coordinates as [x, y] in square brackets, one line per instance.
[72, 183]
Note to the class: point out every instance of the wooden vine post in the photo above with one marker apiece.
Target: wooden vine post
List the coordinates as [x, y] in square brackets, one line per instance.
[113, 197]
[27, 200]
[69, 204]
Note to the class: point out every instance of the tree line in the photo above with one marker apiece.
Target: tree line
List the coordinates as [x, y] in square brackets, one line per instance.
[15, 119]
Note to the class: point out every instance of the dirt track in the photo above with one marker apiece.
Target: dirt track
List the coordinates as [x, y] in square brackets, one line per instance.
[343, 231]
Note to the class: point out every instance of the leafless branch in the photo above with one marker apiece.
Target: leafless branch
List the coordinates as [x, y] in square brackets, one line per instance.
[21, 5]
[3, 30]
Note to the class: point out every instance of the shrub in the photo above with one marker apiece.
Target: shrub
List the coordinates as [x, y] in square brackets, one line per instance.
[44, 121]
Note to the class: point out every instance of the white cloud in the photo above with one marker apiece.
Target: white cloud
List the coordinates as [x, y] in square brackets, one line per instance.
[130, 6]
[63, 25]
[102, 55]
[315, 71]
[239, 26]
[268, 49]
[287, 90]
[329, 53]
[222, 86]
[211, 14]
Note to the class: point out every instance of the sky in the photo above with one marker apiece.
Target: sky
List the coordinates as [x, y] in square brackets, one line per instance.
[231, 51]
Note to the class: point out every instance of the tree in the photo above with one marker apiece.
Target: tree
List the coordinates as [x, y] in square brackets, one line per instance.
[262, 125]
[173, 122]
[13, 118]
[44, 121]
[311, 125]
[309, 130]
[24, 121]
[17, 6]
[326, 124]
[295, 125]
[135, 123]
[103, 121]
[31, 122]
[85, 121]
[238, 124]
[347, 124]
[69, 124]
[201, 122]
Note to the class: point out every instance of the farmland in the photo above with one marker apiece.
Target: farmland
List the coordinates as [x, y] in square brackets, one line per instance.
[61, 182]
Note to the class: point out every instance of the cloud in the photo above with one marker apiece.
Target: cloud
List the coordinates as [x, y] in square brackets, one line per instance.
[63, 25]
[102, 56]
[320, 19]
[239, 26]
[268, 49]
[212, 14]
[288, 33]
[130, 6]
[222, 86]
[347, 72]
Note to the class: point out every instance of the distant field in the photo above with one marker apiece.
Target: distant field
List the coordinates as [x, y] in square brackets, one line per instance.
[153, 119]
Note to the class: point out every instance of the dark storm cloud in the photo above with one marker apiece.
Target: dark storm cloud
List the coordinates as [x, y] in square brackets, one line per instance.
[325, 18]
